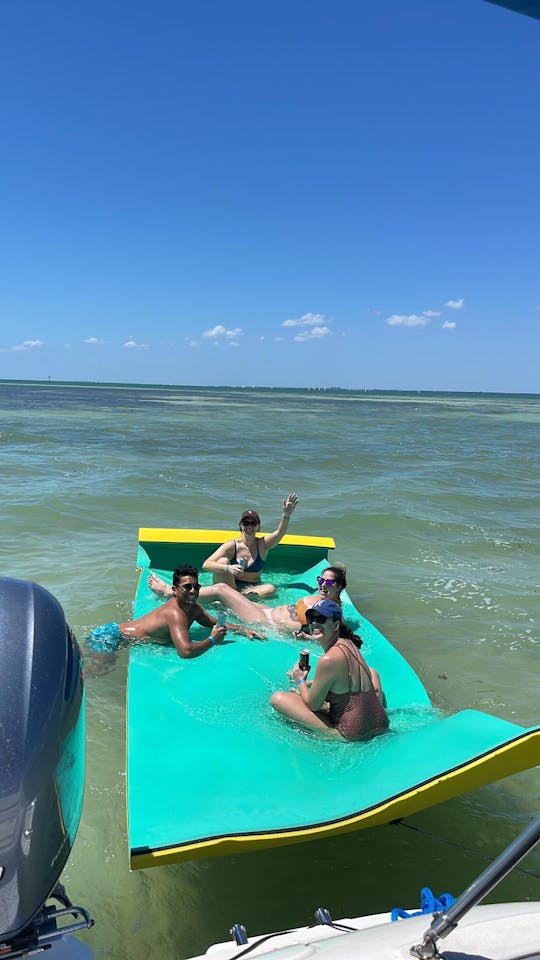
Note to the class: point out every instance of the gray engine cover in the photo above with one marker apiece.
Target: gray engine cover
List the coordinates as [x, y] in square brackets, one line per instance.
[41, 748]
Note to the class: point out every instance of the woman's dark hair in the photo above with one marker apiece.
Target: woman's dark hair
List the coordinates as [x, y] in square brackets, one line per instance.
[347, 632]
[184, 571]
[339, 571]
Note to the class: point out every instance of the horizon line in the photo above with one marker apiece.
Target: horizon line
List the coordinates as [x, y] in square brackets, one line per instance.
[309, 389]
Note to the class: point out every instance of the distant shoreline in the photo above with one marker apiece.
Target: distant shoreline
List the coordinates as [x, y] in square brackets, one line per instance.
[352, 391]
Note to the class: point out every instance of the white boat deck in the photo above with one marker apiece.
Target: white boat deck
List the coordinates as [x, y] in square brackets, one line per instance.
[509, 931]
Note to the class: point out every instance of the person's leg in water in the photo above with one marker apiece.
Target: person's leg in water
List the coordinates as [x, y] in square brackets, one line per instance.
[221, 592]
[99, 649]
[257, 590]
[277, 617]
[159, 587]
[291, 706]
[245, 609]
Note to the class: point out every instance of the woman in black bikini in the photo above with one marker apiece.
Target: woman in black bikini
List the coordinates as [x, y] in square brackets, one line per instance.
[238, 563]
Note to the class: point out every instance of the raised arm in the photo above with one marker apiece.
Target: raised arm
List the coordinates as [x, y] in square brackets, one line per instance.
[271, 540]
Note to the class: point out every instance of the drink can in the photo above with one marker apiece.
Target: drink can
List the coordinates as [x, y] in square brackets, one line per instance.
[303, 662]
[242, 562]
[221, 617]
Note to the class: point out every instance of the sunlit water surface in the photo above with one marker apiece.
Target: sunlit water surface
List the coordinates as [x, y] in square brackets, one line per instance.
[432, 500]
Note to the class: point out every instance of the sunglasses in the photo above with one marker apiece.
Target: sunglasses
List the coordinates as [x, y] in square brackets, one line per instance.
[249, 523]
[328, 583]
[188, 587]
[316, 618]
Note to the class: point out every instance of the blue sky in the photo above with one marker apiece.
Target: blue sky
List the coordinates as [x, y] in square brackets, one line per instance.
[270, 192]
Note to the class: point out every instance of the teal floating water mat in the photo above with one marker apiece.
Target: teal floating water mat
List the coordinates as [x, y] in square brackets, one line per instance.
[213, 770]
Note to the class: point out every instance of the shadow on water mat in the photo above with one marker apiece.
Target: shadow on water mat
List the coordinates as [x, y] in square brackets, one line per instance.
[212, 770]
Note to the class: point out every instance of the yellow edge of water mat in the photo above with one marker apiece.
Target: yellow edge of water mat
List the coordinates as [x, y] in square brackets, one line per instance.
[503, 761]
[176, 535]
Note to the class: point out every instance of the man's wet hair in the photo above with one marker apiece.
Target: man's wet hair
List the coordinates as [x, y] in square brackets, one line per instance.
[186, 570]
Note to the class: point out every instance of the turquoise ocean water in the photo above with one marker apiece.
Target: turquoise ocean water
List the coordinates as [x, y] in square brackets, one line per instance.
[433, 502]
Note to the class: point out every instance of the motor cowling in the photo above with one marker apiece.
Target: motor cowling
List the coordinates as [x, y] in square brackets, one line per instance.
[41, 748]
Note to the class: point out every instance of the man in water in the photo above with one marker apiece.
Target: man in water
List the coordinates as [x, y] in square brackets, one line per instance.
[170, 622]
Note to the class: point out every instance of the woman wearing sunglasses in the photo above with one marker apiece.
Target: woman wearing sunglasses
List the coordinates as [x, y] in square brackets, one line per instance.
[238, 563]
[290, 617]
[342, 701]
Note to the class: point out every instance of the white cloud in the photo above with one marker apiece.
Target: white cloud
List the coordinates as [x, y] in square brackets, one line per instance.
[132, 344]
[25, 345]
[218, 331]
[455, 304]
[307, 320]
[193, 343]
[94, 340]
[221, 331]
[315, 333]
[431, 313]
[233, 343]
[402, 320]
[449, 325]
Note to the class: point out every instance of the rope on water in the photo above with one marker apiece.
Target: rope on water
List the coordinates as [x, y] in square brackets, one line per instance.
[460, 846]
[428, 904]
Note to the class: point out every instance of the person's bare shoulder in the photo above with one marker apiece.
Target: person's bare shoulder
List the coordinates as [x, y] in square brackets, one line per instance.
[173, 611]
[226, 548]
[330, 658]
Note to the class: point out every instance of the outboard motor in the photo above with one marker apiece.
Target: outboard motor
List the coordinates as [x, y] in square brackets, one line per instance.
[42, 733]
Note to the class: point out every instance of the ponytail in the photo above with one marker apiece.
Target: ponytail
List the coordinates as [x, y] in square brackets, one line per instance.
[347, 632]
